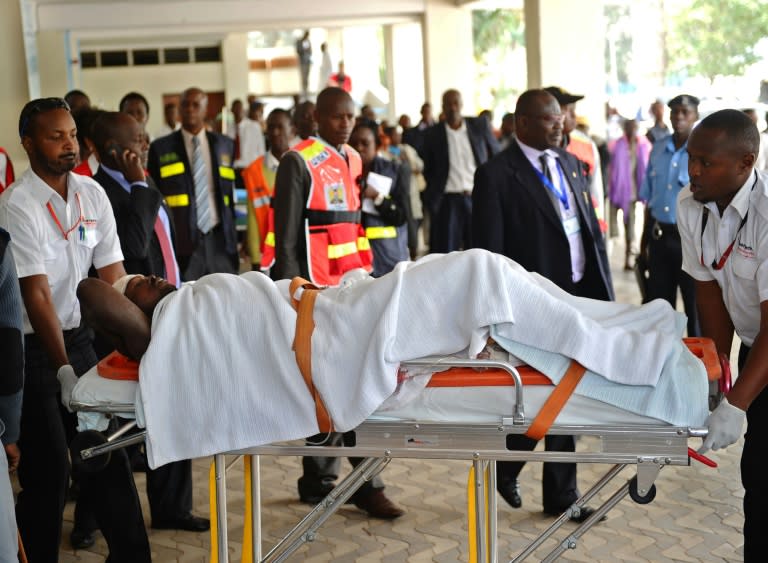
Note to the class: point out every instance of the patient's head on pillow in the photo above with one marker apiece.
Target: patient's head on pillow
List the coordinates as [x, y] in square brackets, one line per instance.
[145, 291]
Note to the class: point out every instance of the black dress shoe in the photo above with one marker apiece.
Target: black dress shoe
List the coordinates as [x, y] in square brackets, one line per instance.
[585, 513]
[187, 522]
[510, 492]
[80, 539]
[377, 505]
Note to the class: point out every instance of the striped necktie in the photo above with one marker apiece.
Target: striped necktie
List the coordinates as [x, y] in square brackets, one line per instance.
[200, 177]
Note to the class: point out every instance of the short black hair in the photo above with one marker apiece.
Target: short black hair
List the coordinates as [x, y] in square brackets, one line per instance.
[281, 111]
[31, 109]
[741, 132]
[133, 96]
[72, 93]
[329, 96]
[371, 126]
[526, 102]
[84, 120]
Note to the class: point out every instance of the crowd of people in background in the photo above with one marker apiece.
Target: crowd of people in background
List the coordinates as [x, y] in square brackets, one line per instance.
[326, 188]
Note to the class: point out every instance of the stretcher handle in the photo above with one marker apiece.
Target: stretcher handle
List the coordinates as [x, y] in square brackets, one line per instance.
[518, 416]
[701, 458]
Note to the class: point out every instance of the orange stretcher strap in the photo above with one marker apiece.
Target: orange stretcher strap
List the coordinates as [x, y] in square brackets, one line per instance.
[556, 401]
[302, 345]
[705, 350]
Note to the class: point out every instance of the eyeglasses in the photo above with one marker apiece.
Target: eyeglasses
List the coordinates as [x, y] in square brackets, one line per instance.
[41, 105]
[547, 117]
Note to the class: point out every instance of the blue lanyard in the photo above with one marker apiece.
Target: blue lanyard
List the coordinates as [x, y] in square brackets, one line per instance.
[561, 195]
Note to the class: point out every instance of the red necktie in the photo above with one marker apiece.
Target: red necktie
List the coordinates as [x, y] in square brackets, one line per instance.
[165, 247]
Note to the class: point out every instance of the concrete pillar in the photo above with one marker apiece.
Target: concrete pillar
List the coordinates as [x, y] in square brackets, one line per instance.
[448, 56]
[52, 49]
[564, 43]
[234, 60]
[407, 84]
[14, 89]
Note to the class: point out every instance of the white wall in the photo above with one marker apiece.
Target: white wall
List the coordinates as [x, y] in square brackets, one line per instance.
[106, 86]
[407, 70]
[14, 91]
[448, 56]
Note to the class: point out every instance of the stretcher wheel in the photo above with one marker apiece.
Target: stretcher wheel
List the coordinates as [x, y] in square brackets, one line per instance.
[637, 497]
[83, 440]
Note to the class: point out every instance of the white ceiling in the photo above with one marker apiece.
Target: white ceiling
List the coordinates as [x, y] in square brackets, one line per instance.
[105, 17]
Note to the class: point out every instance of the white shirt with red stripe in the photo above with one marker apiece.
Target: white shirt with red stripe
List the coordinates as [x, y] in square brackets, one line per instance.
[39, 243]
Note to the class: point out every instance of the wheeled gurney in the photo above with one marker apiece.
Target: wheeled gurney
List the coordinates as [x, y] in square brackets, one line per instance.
[624, 440]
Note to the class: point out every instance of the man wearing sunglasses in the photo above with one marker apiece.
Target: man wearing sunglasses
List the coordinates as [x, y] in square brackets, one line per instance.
[61, 224]
[723, 222]
[532, 204]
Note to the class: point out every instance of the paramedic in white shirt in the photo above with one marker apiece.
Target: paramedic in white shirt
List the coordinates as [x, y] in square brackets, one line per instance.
[723, 223]
[61, 224]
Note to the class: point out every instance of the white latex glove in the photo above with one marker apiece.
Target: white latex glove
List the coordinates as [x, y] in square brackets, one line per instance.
[725, 424]
[67, 379]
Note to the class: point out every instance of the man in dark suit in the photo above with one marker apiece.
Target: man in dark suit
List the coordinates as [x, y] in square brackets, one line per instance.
[453, 149]
[531, 203]
[193, 170]
[146, 233]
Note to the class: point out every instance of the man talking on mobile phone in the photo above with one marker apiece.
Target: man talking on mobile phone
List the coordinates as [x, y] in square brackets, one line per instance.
[146, 235]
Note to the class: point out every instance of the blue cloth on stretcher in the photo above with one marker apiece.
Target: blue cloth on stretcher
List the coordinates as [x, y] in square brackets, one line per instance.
[679, 397]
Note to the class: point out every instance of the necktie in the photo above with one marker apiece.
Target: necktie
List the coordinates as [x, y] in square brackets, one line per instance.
[165, 247]
[237, 142]
[544, 159]
[200, 178]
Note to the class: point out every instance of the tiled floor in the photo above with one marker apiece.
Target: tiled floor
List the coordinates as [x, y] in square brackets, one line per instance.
[696, 515]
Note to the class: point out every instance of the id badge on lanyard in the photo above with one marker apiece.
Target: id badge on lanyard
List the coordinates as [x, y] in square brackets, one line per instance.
[571, 225]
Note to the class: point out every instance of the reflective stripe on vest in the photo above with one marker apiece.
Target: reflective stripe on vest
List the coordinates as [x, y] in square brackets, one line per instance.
[270, 240]
[226, 200]
[261, 201]
[172, 169]
[380, 232]
[226, 172]
[363, 244]
[336, 251]
[181, 200]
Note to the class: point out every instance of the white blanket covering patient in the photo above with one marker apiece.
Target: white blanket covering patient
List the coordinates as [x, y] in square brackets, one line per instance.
[220, 373]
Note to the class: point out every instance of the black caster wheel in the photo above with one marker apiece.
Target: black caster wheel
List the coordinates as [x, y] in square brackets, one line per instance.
[83, 440]
[637, 497]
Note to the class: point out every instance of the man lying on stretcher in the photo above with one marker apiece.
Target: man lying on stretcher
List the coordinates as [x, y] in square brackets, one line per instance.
[230, 339]
[124, 320]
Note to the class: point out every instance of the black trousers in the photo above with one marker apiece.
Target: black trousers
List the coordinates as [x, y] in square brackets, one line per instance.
[44, 468]
[558, 482]
[209, 257]
[665, 273]
[451, 225]
[753, 473]
[320, 473]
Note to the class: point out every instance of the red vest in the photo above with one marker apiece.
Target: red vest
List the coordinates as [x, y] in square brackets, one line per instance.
[336, 241]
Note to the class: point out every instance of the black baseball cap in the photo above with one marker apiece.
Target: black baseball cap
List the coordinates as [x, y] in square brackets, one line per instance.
[563, 96]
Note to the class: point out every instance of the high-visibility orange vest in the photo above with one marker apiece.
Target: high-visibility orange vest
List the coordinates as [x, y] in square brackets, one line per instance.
[336, 241]
[585, 152]
[259, 182]
[582, 150]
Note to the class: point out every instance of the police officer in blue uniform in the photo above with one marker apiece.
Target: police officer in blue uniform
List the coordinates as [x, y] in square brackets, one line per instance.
[667, 174]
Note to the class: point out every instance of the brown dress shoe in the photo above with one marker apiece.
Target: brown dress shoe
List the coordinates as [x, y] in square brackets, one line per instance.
[377, 505]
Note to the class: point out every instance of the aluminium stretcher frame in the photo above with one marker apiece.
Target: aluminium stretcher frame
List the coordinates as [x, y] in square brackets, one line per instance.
[648, 447]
